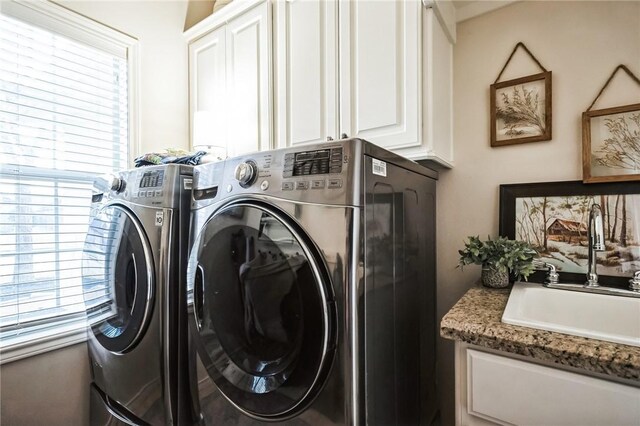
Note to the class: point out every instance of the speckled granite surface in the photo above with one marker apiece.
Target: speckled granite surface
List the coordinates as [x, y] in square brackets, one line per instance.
[476, 319]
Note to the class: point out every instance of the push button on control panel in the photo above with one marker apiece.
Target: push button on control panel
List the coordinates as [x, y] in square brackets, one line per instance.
[335, 183]
[302, 184]
[317, 184]
[287, 186]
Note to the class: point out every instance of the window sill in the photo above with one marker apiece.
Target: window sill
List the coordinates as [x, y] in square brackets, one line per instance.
[71, 335]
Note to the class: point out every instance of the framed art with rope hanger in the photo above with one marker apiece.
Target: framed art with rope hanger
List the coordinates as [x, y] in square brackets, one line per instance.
[521, 108]
[611, 140]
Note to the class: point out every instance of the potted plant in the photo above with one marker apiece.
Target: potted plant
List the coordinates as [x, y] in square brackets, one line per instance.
[499, 258]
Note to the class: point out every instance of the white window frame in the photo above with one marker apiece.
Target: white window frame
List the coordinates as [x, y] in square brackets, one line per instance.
[60, 20]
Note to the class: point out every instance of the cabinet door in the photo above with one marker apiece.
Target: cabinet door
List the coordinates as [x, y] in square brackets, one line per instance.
[307, 55]
[494, 389]
[437, 80]
[248, 81]
[380, 97]
[207, 88]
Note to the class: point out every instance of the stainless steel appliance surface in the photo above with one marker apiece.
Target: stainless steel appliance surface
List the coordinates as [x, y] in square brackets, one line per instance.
[134, 268]
[311, 288]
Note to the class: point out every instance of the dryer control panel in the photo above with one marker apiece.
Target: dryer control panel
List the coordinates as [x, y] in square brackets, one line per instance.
[318, 162]
[315, 173]
[155, 186]
[149, 184]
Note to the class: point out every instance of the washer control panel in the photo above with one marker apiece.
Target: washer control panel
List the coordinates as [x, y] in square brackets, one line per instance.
[314, 173]
[149, 184]
[318, 162]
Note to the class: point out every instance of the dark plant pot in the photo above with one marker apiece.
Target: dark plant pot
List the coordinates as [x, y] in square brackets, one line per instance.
[494, 278]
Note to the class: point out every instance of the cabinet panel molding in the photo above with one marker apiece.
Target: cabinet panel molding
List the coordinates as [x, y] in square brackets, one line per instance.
[306, 50]
[248, 82]
[509, 391]
[230, 81]
[380, 87]
[207, 86]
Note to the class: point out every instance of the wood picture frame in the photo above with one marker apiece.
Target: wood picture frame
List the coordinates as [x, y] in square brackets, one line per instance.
[611, 144]
[563, 208]
[518, 115]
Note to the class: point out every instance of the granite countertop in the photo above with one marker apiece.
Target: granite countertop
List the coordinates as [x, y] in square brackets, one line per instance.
[476, 319]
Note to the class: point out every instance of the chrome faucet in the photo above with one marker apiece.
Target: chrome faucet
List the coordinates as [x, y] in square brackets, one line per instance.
[552, 273]
[634, 283]
[596, 243]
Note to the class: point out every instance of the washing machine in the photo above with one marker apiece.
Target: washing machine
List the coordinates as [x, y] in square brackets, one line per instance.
[311, 288]
[134, 266]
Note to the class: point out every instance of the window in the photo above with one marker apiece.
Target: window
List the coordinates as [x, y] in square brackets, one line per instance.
[64, 119]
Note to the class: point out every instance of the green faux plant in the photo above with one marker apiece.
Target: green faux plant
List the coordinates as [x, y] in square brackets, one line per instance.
[502, 254]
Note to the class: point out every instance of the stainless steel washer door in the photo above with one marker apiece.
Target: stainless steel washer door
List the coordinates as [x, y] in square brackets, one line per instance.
[262, 317]
[117, 271]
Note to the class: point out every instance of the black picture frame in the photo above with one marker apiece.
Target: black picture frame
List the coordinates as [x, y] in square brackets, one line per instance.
[509, 193]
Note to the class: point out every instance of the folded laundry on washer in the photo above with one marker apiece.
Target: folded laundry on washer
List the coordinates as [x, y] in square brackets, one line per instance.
[170, 155]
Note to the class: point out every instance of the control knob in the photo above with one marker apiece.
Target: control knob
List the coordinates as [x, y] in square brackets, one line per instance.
[246, 173]
[117, 184]
[109, 182]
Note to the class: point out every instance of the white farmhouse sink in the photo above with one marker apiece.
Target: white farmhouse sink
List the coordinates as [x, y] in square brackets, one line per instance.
[598, 316]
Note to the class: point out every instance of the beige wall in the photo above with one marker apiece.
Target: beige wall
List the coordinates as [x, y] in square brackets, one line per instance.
[581, 43]
[48, 389]
[163, 85]
[52, 388]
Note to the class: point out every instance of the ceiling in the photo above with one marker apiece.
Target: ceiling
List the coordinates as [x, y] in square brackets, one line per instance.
[467, 9]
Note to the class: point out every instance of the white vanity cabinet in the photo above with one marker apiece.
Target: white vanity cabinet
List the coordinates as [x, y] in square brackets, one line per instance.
[230, 100]
[495, 389]
[379, 70]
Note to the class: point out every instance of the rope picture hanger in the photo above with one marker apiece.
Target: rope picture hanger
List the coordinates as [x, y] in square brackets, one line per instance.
[613, 74]
[521, 108]
[520, 44]
[611, 139]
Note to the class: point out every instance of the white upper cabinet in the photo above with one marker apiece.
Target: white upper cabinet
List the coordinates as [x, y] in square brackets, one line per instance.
[307, 66]
[208, 85]
[380, 70]
[437, 89]
[248, 81]
[230, 78]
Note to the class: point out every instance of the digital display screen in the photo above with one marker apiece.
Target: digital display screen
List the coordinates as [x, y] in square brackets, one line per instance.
[322, 161]
[152, 179]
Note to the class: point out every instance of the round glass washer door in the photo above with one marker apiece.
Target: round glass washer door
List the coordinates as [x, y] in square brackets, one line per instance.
[117, 278]
[261, 310]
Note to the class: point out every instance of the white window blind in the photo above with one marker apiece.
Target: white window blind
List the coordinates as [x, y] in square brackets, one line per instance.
[63, 121]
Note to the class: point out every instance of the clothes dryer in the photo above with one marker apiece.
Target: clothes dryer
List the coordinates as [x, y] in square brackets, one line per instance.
[134, 265]
[311, 288]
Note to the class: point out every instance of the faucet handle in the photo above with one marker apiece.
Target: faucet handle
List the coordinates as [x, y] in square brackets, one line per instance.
[552, 274]
[634, 283]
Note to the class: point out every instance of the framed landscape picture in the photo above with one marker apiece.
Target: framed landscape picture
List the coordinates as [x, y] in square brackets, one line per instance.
[521, 110]
[611, 144]
[554, 216]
